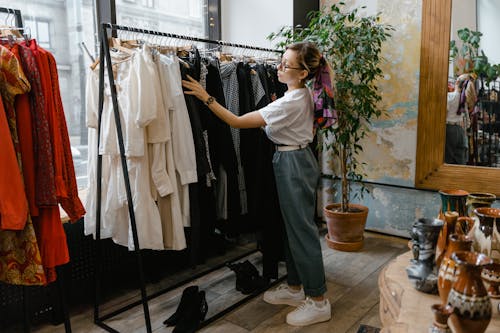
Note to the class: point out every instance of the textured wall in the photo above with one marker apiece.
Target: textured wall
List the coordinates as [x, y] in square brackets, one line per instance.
[389, 150]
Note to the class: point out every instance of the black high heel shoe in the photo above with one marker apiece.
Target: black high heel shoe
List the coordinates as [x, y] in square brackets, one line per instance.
[195, 313]
[189, 296]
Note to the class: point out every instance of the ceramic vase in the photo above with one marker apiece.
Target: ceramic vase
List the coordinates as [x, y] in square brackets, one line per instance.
[449, 270]
[468, 296]
[441, 315]
[422, 269]
[491, 277]
[454, 200]
[486, 231]
[450, 221]
[476, 200]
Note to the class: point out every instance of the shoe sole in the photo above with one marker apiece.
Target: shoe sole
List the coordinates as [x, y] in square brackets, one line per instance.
[283, 302]
[311, 322]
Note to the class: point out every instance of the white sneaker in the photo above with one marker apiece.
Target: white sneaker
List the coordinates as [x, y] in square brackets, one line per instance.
[283, 295]
[309, 313]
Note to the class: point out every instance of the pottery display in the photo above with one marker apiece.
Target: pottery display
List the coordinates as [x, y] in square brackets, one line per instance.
[448, 270]
[476, 200]
[422, 271]
[441, 314]
[486, 231]
[468, 296]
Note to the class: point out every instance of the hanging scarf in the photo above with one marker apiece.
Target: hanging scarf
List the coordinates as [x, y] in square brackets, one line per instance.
[325, 114]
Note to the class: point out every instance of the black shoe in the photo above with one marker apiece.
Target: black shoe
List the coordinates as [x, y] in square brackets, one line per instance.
[193, 316]
[248, 279]
[189, 296]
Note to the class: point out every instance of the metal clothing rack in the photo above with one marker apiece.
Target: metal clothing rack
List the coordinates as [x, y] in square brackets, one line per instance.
[105, 58]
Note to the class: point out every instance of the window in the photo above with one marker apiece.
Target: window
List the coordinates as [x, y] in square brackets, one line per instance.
[180, 17]
[39, 30]
[148, 3]
[60, 27]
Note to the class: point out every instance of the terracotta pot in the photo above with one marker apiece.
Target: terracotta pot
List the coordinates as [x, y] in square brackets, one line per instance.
[454, 200]
[422, 271]
[450, 221]
[441, 314]
[449, 270]
[476, 200]
[486, 231]
[345, 230]
[464, 225]
[468, 295]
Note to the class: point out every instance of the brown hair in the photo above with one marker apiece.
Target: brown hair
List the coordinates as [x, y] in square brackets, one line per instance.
[309, 57]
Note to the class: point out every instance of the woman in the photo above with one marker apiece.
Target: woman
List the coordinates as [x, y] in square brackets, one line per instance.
[288, 122]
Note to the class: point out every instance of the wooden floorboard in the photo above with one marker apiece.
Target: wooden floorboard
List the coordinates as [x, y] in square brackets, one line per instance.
[351, 282]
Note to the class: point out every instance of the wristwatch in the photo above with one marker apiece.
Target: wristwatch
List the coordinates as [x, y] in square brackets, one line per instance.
[209, 101]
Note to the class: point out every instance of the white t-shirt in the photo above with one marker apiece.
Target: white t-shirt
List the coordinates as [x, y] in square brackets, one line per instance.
[289, 119]
[453, 102]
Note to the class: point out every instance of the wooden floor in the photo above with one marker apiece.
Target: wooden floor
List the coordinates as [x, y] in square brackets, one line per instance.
[352, 290]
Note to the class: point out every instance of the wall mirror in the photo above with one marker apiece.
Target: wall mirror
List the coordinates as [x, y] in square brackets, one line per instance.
[431, 171]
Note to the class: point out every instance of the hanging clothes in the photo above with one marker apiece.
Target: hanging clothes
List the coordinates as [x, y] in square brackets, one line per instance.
[20, 260]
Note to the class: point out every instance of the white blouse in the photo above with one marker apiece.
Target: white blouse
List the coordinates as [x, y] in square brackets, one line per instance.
[289, 119]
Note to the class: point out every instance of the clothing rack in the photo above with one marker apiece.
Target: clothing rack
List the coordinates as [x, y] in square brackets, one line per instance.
[16, 13]
[105, 58]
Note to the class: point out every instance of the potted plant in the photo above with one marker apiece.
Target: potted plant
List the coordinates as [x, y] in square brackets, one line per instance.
[352, 44]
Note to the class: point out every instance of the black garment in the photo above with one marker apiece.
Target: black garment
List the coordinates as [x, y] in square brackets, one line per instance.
[256, 155]
[221, 142]
[201, 198]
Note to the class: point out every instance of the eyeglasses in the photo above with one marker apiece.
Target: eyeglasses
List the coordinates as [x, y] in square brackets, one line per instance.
[284, 66]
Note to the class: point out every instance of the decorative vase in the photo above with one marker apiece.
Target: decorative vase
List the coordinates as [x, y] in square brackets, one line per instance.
[448, 270]
[345, 229]
[453, 200]
[441, 315]
[491, 276]
[468, 295]
[450, 221]
[486, 231]
[464, 225]
[422, 269]
[476, 200]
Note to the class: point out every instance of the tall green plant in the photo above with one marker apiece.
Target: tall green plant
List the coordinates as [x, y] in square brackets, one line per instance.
[469, 56]
[352, 44]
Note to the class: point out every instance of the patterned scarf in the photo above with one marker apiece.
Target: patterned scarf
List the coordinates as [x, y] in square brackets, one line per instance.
[325, 114]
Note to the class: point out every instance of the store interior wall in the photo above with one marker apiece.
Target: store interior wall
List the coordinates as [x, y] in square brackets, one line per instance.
[250, 22]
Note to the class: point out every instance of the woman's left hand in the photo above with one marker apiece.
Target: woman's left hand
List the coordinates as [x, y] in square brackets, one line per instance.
[195, 89]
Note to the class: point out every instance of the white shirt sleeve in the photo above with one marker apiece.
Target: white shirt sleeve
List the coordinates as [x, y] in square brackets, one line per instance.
[159, 174]
[92, 100]
[275, 114]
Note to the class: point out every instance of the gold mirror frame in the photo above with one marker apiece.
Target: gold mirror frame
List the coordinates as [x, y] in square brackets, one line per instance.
[431, 172]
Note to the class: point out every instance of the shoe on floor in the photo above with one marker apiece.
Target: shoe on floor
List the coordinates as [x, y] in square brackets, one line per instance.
[309, 313]
[283, 295]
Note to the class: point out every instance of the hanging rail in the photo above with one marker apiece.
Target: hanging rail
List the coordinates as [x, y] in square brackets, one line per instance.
[16, 13]
[117, 27]
[105, 58]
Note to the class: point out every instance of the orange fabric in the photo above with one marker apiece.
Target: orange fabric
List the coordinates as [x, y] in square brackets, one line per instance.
[68, 199]
[53, 244]
[13, 204]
